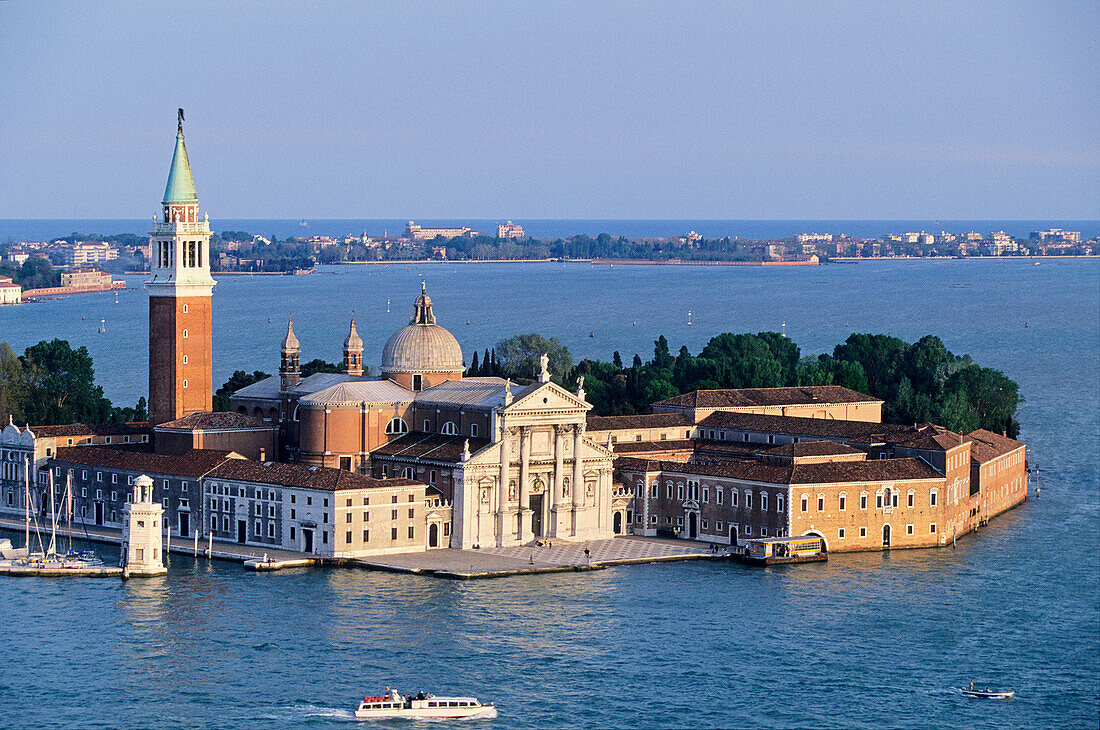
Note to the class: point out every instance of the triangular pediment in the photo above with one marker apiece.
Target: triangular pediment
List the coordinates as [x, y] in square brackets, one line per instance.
[546, 397]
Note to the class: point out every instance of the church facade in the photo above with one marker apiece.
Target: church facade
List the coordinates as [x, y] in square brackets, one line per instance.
[513, 461]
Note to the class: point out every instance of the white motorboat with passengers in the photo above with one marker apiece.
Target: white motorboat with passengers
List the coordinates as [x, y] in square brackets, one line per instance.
[423, 705]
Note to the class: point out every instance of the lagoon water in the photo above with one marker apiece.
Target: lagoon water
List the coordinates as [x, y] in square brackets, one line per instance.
[868, 640]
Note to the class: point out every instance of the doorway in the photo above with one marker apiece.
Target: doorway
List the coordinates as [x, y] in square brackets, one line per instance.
[242, 531]
[307, 541]
[733, 534]
[693, 525]
[99, 513]
[618, 523]
[185, 524]
[433, 535]
[886, 536]
[536, 515]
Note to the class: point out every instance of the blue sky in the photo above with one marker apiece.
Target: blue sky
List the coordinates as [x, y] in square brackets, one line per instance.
[554, 110]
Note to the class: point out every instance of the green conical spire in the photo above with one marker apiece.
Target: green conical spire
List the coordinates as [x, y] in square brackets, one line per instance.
[180, 188]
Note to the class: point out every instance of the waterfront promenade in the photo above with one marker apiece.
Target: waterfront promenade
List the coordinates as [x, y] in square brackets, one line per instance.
[493, 562]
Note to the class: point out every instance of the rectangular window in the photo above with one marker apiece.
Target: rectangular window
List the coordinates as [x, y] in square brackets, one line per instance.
[718, 496]
[933, 498]
[393, 514]
[778, 503]
[734, 497]
[99, 476]
[763, 501]
[292, 516]
[840, 533]
[271, 529]
[706, 495]
[366, 535]
[863, 532]
[393, 533]
[748, 500]
[291, 533]
[412, 532]
[114, 479]
[366, 517]
[347, 517]
[843, 502]
[680, 493]
[347, 537]
[821, 504]
[324, 538]
[908, 529]
[863, 501]
[348, 504]
[763, 532]
[878, 501]
[259, 529]
[932, 529]
[805, 504]
[412, 512]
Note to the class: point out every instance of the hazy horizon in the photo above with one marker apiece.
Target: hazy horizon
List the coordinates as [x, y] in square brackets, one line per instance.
[793, 111]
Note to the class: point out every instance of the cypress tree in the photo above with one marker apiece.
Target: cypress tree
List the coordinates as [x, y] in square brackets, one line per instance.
[475, 368]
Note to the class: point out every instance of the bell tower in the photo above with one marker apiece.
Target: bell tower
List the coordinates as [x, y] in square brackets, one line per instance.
[180, 359]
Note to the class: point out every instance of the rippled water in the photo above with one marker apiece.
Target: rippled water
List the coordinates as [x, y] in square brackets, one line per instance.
[866, 640]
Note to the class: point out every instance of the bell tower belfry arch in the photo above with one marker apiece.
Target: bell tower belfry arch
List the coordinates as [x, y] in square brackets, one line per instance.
[180, 291]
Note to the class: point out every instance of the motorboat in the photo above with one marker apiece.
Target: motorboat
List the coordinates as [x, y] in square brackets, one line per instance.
[989, 694]
[423, 705]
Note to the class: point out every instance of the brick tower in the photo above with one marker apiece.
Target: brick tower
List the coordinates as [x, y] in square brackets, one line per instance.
[179, 300]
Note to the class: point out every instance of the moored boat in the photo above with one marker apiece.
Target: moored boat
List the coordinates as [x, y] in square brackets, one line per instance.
[423, 705]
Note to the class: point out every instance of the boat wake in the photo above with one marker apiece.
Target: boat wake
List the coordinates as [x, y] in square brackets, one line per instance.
[306, 712]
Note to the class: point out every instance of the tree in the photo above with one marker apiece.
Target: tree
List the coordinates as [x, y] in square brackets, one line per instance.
[13, 384]
[518, 356]
[239, 379]
[61, 385]
[317, 365]
[475, 368]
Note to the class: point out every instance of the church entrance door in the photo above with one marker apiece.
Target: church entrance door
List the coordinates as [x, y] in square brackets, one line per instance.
[433, 535]
[536, 515]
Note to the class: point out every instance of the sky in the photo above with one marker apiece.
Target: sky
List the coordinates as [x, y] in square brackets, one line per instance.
[481, 110]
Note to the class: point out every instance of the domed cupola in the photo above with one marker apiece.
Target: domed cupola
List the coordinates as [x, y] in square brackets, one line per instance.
[422, 354]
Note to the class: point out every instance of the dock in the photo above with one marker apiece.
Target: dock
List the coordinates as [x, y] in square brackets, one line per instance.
[31, 571]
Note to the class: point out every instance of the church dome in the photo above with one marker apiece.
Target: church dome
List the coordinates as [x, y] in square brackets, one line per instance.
[422, 346]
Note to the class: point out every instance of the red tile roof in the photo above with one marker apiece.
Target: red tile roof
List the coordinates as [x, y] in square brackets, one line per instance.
[648, 420]
[987, 445]
[216, 422]
[194, 463]
[298, 475]
[759, 397]
[91, 429]
[430, 446]
[876, 470]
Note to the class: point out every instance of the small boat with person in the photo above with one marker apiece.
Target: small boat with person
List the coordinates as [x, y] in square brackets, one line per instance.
[423, 705]
[987, 693]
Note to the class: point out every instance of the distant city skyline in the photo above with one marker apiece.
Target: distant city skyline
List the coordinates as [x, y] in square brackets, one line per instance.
[561, 110]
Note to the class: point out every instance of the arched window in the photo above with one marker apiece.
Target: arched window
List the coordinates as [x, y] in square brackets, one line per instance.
[397, 425]
[449, 428]
[408, 472]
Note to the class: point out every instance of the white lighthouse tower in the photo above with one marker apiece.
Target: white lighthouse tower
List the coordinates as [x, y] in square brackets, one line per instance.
[141, 529]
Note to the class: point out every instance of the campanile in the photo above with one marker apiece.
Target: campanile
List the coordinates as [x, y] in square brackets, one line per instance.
[180, 290]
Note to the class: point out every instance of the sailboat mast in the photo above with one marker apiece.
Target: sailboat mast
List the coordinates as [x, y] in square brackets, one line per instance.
[53, 522]
[27, 505]
[69, 508]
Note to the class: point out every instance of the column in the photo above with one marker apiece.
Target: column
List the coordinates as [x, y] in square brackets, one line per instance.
[502, 488]
[559, 477]
[578, 476]
[524, 511]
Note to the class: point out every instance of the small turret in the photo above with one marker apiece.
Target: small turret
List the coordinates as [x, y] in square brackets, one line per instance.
[353, 352]
[290, 356]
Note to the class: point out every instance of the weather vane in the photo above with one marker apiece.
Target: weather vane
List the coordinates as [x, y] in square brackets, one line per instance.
[179, 115]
